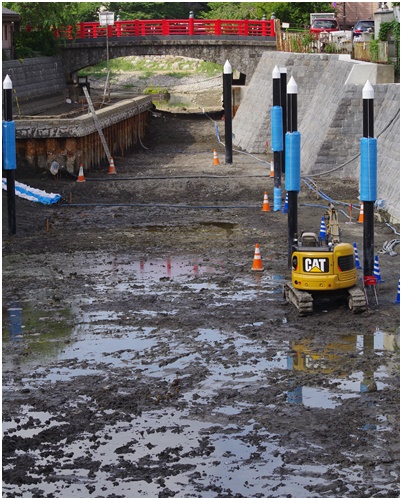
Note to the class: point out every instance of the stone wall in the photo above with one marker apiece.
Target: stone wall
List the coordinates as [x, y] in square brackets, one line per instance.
[35, 78]
[330, 114]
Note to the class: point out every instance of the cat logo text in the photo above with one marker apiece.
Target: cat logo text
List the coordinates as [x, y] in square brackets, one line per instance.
[315, 265]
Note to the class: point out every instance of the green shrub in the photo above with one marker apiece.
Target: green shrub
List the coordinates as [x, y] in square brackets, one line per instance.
[155, 90]
[36, 43]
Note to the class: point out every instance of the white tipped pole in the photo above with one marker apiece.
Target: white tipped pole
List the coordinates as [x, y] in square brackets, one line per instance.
[9, 152]
[368, 91]
[292, 86]
[7, 83]
[227, 68]
[292, 167]
[366, 171]
[292, 105]
[227, 103]
[283, 72]
[276, 101]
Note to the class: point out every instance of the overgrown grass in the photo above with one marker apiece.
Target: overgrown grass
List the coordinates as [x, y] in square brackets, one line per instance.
[146, 74]
[155, 90]
[181, 74]
[175, 67]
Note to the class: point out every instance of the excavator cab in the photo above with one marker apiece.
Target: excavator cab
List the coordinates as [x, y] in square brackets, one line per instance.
[322, 270]
[309, 240]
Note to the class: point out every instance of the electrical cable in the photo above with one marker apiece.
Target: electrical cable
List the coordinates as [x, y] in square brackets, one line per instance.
[234, 150]
[388, 247]
[393, 229]
[157, 205]
[118, 178]
[356, 156]
[139, 133]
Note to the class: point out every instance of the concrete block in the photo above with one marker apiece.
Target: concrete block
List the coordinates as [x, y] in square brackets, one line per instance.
[375, 73]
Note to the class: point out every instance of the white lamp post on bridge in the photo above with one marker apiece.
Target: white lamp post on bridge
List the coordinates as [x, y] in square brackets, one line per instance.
[106, 18]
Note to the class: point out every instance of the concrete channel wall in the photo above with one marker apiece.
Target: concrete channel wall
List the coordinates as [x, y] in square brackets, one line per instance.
[40, 84]
[330, 113]
[75, 141]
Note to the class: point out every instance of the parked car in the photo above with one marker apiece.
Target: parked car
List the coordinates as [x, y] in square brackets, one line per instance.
[363, 27]
[319, 25]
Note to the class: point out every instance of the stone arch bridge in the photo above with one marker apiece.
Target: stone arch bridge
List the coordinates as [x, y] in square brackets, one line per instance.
[242, 53]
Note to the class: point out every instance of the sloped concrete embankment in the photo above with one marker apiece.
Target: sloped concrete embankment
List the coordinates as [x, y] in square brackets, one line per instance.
[330, 117]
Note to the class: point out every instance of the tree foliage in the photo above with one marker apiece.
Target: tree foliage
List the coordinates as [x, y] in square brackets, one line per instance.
[290, 12]
[151, 10]
[45, 17]
[48, 15]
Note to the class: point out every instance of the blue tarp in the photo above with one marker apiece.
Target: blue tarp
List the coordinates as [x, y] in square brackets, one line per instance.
[32, 194]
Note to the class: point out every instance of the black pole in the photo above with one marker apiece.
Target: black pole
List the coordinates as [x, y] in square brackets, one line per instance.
[292, 111]
[10, 173]
[368, 206]
[227, 103]
[276, 101]
[368, 117]
[277, 148]
[292, 195]
[283, 72]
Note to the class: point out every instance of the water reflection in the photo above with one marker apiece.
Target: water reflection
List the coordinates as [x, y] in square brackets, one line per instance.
[330, 360]
[39, 332]
[15, 322]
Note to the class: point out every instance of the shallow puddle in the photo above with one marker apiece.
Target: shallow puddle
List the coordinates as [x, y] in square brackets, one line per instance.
[206, 439]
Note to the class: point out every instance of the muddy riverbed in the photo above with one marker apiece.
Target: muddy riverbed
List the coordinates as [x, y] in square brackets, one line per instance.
[143, 358]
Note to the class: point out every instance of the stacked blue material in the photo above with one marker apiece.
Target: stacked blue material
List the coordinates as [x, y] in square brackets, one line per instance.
[32, 194]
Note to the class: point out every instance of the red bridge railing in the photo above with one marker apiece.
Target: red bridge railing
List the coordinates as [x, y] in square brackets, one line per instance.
[169, 27]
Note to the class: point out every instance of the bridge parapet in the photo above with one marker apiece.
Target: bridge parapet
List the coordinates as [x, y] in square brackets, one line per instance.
[169, 27]
[243, 52]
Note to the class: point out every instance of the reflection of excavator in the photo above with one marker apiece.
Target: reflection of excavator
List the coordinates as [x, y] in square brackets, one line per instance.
[323, 269]
[326, 360]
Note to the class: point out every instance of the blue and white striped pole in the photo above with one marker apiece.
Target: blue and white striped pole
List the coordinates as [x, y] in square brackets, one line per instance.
[277, 136]
[323, 229]
[357, 261]
[377, 272]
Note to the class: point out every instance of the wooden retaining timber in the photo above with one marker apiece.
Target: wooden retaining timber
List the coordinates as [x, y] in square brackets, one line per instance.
[75, 141]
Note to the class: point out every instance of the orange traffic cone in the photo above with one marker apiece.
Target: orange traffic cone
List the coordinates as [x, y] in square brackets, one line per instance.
[112, 170]
[361, 215]
[265, 204]
[271, 174]
[216, 159]
[81, 174]
[257, 263]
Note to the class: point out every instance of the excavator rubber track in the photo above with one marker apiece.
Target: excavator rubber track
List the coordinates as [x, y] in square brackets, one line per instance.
[303, 301]
[357, 300]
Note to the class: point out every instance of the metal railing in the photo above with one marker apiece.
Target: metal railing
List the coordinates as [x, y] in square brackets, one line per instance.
[170, 27]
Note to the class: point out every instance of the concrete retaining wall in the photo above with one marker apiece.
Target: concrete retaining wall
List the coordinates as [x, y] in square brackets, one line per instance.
[35, 78]
[75, 141]
[330, 114]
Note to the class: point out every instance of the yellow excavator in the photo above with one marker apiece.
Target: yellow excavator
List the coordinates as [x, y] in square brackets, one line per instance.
[323, 269]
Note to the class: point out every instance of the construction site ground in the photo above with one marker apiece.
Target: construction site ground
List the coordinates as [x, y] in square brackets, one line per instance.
[142, 357]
